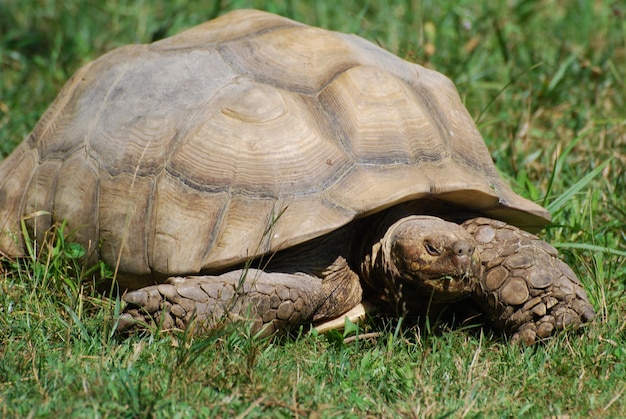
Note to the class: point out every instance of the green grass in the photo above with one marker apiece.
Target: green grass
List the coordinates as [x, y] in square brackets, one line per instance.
[546, 82]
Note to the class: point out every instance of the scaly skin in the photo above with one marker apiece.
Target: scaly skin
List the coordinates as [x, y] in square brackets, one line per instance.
[525, 288]
[272, 302]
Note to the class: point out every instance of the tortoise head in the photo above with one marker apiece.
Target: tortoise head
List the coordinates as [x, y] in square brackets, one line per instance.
[434, 257]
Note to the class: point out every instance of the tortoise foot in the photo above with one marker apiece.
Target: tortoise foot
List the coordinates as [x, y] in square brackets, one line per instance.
[537, 320]
[525, 287]
[176, 304]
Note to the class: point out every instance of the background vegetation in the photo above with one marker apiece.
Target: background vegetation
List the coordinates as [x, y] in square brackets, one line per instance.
[546, 82]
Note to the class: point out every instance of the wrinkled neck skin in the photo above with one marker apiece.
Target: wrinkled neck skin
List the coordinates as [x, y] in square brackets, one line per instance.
[376, 270]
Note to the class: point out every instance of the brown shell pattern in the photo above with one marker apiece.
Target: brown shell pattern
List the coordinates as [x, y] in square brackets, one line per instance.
[242, 136]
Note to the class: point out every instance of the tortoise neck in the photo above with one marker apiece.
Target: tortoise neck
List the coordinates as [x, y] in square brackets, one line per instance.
[375, 267]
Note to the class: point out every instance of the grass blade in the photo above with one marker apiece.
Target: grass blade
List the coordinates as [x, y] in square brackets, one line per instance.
[569, 194]
[591, 247]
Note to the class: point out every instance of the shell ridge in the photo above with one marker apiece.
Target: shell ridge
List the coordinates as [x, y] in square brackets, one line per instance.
[96, 118]
[194, 123]
[46, 127]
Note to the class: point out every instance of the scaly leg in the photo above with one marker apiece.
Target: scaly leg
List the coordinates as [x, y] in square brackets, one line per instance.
[272, 301]
[525, 287]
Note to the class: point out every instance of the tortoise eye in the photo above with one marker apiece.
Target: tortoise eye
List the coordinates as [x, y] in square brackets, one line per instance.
[431, 249]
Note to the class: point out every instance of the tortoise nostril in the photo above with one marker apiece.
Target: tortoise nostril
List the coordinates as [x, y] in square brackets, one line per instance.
[463, 248]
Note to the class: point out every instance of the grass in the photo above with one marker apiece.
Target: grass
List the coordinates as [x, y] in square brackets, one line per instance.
[546, 82]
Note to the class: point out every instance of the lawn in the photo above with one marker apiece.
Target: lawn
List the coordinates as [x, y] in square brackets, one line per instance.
[546, 84]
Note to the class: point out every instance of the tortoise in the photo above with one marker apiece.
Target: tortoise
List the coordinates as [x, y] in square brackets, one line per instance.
[258, 168]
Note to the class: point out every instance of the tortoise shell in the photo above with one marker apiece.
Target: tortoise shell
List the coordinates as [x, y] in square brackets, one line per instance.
[245, 135]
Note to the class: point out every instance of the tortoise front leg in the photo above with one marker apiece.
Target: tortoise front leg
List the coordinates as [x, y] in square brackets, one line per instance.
[525, 287]
[271, 301]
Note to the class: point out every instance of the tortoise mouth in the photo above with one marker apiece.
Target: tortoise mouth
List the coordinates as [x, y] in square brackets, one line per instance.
[446, 274]
[448, 288]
